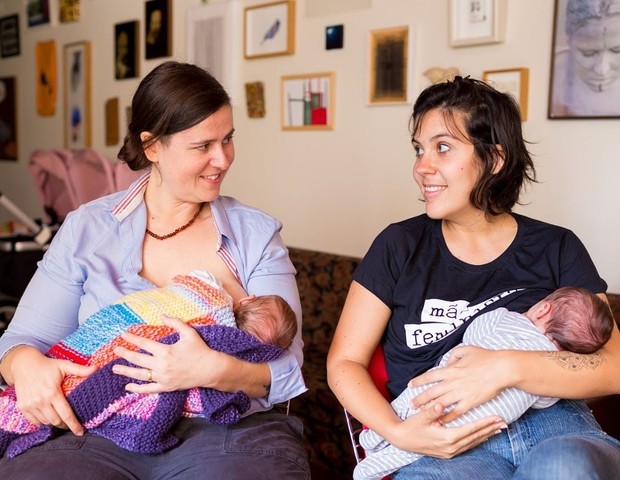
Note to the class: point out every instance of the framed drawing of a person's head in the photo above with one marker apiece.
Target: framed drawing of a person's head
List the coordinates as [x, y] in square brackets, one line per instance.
[157, 34]
[126, 50]
[585, 63]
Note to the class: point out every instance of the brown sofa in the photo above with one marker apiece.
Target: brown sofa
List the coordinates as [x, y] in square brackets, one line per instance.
[323, 281]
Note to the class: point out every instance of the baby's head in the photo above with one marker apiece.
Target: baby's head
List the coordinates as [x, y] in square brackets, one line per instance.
[574, 318]
[269, 318]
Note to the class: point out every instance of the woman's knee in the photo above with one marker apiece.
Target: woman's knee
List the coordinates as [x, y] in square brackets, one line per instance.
[571, 457]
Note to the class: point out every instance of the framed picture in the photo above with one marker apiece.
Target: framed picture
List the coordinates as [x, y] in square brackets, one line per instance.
[584, 82]
[514, 81]
[211, 40]
[38, 12]
[308, 101]
[389, 66]
[47, 78]
[158, 28]
[269, 29]
[9, 36]
[76, 72]
[8, 118]
[476, 22]
[334, 37]
[126, 51]
[69, 10]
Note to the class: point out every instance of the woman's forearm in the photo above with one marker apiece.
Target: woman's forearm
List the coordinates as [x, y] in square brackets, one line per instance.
[233, 375]
[566, 374]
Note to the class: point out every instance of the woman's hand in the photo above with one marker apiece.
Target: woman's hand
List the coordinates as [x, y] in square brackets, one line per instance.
[168, 368]
[472, 376]
[38, 389]
[424, 433]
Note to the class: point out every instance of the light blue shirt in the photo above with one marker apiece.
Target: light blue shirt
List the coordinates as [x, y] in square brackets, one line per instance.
[96, 256]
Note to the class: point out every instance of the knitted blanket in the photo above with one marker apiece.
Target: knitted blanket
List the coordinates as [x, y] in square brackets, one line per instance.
[141, 422]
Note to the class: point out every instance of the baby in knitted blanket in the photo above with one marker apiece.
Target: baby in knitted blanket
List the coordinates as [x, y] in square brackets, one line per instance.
[263, 327]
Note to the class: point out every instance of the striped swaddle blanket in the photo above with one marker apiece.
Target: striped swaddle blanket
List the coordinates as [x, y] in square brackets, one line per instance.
[496, 330]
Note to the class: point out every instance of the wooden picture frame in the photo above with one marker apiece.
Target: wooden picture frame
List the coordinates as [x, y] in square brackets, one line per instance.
[308, 101]
[269, 29]
[69, 11]
[8, 118]
[582, 84]
[126, 50]
[77, 108]
[9, 36]
[389, 69]
[514, 81]
[477, 22]
[157, 28]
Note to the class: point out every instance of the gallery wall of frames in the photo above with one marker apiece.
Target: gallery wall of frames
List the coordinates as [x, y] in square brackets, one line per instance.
[322, 93]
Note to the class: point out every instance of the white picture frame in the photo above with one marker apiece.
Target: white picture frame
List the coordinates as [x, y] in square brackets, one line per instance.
[477, 22]
[213, 33]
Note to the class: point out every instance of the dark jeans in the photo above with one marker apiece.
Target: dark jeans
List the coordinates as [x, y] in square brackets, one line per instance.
[262, 446]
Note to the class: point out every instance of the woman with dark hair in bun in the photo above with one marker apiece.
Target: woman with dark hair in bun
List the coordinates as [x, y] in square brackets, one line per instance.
[170, 221]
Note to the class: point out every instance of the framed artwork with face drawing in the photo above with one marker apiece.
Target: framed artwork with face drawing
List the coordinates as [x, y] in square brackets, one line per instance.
[585, 60]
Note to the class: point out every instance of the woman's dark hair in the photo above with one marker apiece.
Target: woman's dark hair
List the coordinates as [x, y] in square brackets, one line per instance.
[490, 119]
[173, 97]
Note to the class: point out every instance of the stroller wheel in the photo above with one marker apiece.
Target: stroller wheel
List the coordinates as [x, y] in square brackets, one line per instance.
[7, 310]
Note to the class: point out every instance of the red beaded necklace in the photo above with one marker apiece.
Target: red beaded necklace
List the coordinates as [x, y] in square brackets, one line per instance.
[178, 230]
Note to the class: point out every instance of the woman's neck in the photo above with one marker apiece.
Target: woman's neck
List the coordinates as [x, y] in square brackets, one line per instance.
[480, 240]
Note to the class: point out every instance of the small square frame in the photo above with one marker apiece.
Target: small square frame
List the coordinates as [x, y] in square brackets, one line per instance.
[388, 82]
[38, 12]
[308, 101]
[269, 29]
[477, 22]
[77, 109]
[514, 81]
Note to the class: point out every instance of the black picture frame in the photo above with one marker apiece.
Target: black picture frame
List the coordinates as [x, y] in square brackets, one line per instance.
[38, 12]
[9, 36]
[8, 118]
[126, 50]
[157, 28]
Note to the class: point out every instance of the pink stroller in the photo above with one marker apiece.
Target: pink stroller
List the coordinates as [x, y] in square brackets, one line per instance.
[65, 180]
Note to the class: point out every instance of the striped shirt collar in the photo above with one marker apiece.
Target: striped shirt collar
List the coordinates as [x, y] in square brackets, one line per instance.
[135, 197]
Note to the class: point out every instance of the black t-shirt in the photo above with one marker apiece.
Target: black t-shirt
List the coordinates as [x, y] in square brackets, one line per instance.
[433, 295]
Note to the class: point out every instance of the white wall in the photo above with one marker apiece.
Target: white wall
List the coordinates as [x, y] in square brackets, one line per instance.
[334, 190]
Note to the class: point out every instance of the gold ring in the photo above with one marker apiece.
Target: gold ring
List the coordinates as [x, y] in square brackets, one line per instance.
[150, 376]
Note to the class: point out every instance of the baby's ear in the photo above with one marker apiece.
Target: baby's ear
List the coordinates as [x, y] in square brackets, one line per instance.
[248, 299]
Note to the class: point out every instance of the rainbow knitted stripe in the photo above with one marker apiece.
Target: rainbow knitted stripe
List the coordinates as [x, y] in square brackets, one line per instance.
[141, 422]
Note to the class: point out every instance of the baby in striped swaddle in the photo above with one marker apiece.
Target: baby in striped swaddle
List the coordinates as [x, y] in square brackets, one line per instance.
[569, 318]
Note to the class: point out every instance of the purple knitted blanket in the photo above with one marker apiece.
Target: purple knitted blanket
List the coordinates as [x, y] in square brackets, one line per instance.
[140, 422]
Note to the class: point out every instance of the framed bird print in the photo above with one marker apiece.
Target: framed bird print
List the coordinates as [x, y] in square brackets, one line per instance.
[269, 29]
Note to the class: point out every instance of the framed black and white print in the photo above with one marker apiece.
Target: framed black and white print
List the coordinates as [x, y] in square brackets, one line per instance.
[585, 61]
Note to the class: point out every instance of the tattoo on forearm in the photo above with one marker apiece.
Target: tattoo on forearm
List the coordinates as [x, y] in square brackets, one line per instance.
[575, 361]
